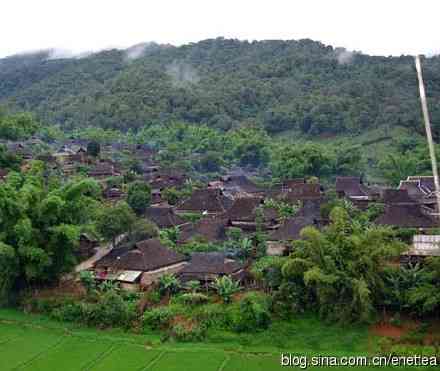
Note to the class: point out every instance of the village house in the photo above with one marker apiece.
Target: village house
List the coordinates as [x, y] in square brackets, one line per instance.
[21, 150]
[113, 194]
[164, 217]
[235, 186]
[296, 193]
[86, 247]
[279, 242]
[206, 267]
[354, 190]
[420, 189]
[423, 246]
[407, 216]
[208, 229]
[139, 266]
[205, 201]
[249, 213]
[103, 170]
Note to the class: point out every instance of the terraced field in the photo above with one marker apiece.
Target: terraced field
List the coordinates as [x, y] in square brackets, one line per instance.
[33, 343]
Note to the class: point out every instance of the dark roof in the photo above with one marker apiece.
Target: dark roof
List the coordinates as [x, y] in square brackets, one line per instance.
[426, 182]
[3, 173]
[210, 199]
[291, 229]
[413, 189]
[163, 217]
[113, 193]
[351, 186]
[407, 216]
[397, 196]
[240, 183]
[291, 183]
[102, 169]
[145, 256]
[210, 228]
[244, 209]
[301, 192]
[210, 263]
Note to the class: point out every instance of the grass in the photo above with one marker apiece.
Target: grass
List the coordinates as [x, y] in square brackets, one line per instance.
[34, 343]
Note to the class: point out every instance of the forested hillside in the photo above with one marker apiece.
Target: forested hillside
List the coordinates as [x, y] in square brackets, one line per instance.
[302, 86]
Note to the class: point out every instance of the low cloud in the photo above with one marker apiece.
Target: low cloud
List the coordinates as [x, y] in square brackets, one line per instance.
[344, 56]
[182, 73]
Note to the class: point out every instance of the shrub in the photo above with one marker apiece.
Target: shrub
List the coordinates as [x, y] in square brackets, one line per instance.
[158, 318]
[113, 311]
[194, 298]
[168, 284]
[225, 288]
[216, 315]
[88, 281]
[254, 313]
[193, 332]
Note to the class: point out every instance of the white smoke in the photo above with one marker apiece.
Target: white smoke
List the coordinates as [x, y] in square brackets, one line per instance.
[136, 51]
[182, 73]
[57, 53]
[344, 56]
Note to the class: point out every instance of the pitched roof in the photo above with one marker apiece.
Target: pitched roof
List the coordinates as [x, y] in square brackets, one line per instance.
[102, 169]
[240, 183]
[397, 196]
[291, 229]
[211, 200]
[426, 182]
[406, 216]
[301, 192]
[245, 209]
[163, 217]
[146, 256]
[210, 263]
[210, 228]
[413, 188]
[351, 186]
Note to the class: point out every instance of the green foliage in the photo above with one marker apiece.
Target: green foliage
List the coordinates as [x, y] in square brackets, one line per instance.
[254, 313]
[88, 281]
[194, 298]
[225, 288]
[281, 85]
[158, 318]
[339, 269]
[115, 220]
[139, 196]
[18, 126]
[168, 284]
[187, 333]
[8, 160]
[40, 227]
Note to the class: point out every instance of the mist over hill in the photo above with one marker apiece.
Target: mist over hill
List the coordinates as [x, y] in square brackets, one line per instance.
[297, 86]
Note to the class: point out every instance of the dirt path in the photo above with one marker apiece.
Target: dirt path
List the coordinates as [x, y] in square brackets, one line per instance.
[100, 253]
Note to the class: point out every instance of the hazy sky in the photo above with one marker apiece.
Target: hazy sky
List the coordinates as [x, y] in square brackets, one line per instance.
[385, 27]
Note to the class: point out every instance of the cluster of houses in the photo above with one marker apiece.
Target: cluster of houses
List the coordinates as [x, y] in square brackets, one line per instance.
[232, 202]
[235, 201]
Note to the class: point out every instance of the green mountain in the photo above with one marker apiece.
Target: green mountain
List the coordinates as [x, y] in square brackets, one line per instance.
[296, 86]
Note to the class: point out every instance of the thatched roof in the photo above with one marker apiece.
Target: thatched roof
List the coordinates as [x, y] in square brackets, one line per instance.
[146, 256]
[210, 200]
[163, 217]
[202, 265]
[212, 229]
[406, 216]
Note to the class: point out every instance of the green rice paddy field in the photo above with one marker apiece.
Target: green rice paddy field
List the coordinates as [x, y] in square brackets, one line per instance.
[34, 343]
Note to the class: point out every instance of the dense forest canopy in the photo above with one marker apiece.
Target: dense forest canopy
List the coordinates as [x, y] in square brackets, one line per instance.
[301, 86]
